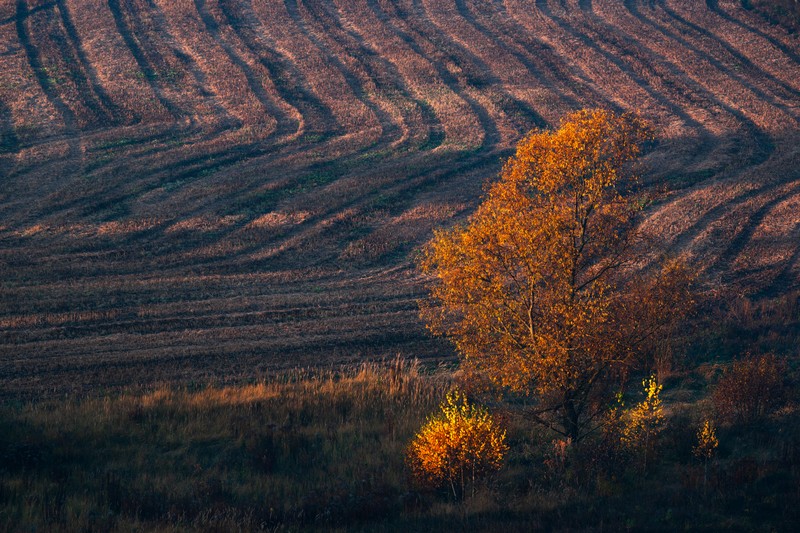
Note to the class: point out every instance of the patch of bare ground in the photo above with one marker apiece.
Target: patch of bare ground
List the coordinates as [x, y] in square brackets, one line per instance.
[207, 189]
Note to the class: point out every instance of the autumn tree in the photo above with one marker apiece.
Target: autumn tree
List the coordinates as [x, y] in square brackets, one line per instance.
[457, 447]
[541, 289]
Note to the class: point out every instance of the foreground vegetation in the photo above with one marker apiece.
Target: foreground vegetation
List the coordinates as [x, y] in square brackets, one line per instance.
[325, 450]
[300, 450]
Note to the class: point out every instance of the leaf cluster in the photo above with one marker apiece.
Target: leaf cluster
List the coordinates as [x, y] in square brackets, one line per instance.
[646, 419]
[707, 441]
[457, 447]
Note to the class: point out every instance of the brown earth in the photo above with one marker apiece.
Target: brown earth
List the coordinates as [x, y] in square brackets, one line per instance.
[213, 189]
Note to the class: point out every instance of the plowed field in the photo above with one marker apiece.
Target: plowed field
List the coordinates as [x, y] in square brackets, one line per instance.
[211, 189]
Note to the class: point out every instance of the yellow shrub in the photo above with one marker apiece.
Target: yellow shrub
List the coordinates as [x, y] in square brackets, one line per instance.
[707, 444]
[642, 424]
[645, 420]
[457, 447]
[707, 441]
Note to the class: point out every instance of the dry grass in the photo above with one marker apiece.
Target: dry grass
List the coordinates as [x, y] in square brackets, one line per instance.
[320, 450]
[304, 448]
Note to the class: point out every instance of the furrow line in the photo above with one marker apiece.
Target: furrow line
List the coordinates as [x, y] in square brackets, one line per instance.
[222, 120]
[739, 60]
[506, 75]
[399, 23]
[657, 66]
[83, 73]
[388, 79]
[327, 42]
[713, 5]
[142, 53]
[73, 136]
[700, 72]
[289, 81]
[287, 123]
[590, 43]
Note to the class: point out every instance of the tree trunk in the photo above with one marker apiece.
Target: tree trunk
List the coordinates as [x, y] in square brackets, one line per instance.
[571, 420]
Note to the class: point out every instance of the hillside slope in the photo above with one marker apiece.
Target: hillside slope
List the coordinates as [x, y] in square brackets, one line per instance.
[214, 188]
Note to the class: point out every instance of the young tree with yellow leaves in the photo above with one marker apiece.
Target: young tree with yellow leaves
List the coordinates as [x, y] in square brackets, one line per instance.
[707, 443]
[457, 447]
[538, 289]
[645, 421]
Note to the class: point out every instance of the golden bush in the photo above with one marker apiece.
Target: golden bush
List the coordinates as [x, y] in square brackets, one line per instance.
[707, 441]
[645, 420]
[457, 447]
[643, 423]
[706, 447]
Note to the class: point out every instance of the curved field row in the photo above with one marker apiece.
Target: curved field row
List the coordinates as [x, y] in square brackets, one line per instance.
[212, 188]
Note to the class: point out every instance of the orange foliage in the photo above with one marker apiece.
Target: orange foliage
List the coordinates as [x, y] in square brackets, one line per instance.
[534, 289]
[457, 447]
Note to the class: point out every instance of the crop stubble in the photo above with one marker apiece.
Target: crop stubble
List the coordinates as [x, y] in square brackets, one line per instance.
[212, 189]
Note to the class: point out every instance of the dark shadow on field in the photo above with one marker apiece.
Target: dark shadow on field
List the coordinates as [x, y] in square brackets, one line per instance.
[150, 62]
[113, 110]
[758, 144]
[9, 142]
[285, 124]
[41, 7]
[523, 115]
[68, 118]
[789, 277]
[525, 54]
[777, 84]
[548, 64]
[290, 82]
[382, 72]
[81, 72]
[407, 27]
[49, 374]
[222, 118]
[476, 73]
[86, 298]
[215, 321]
[713, 5]
[390, 131]
[754, 219]
[622, 57]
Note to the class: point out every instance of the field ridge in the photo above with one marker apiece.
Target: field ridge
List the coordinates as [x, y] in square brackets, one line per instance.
[209, 189]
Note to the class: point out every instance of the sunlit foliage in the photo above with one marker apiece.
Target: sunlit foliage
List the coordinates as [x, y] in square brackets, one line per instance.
[707, 441]
[644, 421]
[457, 447]
[706, 447]
[536, 290]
